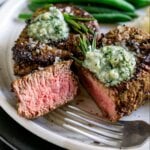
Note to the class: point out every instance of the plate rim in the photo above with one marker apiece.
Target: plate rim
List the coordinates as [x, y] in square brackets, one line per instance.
[28, 124]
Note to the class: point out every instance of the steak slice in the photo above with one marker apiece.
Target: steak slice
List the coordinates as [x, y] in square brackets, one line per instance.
[118, 101]
[45, 90]
[103, 96]
[29, 52]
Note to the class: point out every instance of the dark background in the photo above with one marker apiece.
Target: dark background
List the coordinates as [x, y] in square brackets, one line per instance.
[19, 137]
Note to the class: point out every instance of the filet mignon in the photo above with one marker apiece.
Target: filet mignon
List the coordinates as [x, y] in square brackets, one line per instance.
[45, 90]
[29, 54]
[120, 100]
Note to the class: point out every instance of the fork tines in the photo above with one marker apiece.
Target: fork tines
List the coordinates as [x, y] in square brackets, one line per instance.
[89, 125]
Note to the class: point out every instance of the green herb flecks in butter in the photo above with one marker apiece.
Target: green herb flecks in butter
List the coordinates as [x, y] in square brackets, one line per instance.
[49, 26]
[110, 64]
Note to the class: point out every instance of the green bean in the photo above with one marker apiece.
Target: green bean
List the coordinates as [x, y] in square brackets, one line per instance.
[95, 9]
[131, 14]
[112, 17]
[139, 3]
[118, 4]
[24, 16]
[33, 6]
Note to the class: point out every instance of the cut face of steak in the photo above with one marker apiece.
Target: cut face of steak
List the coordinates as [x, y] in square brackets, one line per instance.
[125, 97]
[45, 90]
[104, 97]
[30, 52]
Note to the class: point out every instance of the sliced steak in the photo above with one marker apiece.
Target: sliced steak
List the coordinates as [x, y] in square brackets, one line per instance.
[45, 90]
[103, 96]
[118, 101]
[28, 51]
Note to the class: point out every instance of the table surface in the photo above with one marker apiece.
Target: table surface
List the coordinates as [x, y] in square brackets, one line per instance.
[19, 138]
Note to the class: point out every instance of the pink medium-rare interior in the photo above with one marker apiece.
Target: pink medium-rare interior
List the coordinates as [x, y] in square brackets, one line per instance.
[101, 95]
[45, 92]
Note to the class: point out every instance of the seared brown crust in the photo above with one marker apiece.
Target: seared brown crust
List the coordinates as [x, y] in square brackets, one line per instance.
[28, 51]
[135, 93]
[24, 68]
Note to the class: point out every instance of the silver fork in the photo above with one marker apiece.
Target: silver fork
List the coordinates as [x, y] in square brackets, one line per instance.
[120, 134]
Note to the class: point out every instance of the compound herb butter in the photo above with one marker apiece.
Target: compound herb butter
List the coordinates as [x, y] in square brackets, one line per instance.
[49, 26]
[111, 64]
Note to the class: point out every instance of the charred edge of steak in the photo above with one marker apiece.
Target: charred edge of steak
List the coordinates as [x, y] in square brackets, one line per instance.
[45, 90]
[28, 50]
[39, 54]
[22, 68]
[133, 94]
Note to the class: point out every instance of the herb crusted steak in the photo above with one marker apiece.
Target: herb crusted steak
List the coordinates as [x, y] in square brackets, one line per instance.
[125, 97]
[43, 91]
[29, 54]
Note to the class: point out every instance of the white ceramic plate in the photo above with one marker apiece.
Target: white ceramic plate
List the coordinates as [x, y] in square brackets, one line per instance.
[43, 127]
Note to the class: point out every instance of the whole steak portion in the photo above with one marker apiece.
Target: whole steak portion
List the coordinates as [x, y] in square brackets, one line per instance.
[45, 90]
[118, 101]
[29, 54]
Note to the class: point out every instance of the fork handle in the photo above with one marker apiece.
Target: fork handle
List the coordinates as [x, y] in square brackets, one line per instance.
[139, 127]
[148, 129]
[145, 128]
